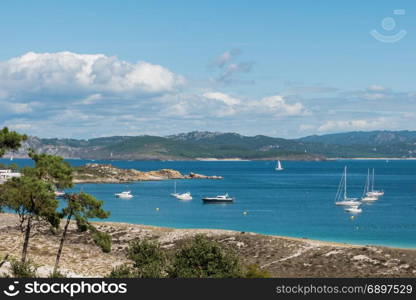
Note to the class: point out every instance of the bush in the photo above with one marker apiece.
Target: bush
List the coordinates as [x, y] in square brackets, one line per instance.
[82, 225]
[253, 271]
[56, 274]
[203, 258]
[148, 259]
[123, 271]
[23, 270]
[103, 240]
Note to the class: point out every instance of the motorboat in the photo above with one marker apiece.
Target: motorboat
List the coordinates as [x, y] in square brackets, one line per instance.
[124, 195]
[353, 209]
[219, 199]
[59, 193]
[184, 196]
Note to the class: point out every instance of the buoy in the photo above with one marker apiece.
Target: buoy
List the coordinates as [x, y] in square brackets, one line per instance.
[352, 217]
[244, 212]
[157, 208]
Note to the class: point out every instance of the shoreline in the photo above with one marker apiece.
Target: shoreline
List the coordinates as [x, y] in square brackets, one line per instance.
[286, 237]
[282, 256]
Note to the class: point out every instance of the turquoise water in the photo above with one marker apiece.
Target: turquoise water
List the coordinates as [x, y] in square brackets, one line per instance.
[297, 202]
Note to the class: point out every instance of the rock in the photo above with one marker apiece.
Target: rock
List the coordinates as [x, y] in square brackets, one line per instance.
[107, 173]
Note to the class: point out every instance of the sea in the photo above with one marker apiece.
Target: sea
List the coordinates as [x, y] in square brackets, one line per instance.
[295, 202]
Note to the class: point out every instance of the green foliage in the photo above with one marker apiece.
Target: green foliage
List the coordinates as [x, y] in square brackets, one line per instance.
[123, 271]
[23, 269]
[253, 271]
[103, 240]
[50, 168]
[203, 258]
[30, 196]
[149, 260]
[56, 274]
[10, 140]
[82, 224]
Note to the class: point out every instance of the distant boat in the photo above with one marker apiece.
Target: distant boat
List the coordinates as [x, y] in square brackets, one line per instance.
[59, 193]
[11, 158]
[366, 197]
[373, 192]
[124, 195]
[341, 197]
[183, 196]
[219, 199]
[174, 194]
[353, 209]
[279, 166]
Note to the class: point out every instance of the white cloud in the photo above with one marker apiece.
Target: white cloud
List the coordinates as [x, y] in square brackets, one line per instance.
[222, 97]
[67, 73]
[346, 125]
[278, 106]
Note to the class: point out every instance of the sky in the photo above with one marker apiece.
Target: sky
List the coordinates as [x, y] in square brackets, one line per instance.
[86, 69]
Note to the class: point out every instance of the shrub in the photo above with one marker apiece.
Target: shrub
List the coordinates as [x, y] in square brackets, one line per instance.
[148, 259]
[23, 269]
[123, 271]
[82, 225]
[57, 274]
[253, 271]
[103, 240]
[203, 258]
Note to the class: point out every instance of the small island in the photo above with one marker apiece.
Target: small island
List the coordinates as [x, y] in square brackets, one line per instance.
[107, 173]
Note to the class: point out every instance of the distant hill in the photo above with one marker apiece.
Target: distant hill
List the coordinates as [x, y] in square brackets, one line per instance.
[372, 143]
[196, 145]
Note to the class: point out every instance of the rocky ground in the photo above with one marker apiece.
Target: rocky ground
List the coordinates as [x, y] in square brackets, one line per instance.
[107, 173]
[281, 256]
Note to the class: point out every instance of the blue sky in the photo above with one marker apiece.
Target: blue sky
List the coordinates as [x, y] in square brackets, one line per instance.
[85, 69]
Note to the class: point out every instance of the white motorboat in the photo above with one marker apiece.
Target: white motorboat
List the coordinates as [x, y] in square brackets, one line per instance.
[279, 166]
[353, 209]
[219, 199]
[366, 197]
[184, 196]
[372, 192]
[59, 193]
[124, 195]
[341, 197]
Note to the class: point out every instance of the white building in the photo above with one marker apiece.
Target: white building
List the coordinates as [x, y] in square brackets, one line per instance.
[7, 174]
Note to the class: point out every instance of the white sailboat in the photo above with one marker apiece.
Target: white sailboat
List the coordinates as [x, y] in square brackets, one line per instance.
[341, 197]
[373, 192]
[279, 166]
[174, 194]
[366, 197]
[353, 209]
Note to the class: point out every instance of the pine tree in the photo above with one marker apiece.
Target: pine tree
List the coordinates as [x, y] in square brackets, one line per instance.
[82, 206]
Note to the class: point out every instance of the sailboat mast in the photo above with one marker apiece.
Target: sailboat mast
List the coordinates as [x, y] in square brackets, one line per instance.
[345, 182]
[372, 182]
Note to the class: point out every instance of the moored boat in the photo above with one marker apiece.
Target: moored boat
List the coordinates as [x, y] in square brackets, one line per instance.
[219, 199]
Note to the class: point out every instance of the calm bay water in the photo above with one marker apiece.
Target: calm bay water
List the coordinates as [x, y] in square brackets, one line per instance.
[297, 202]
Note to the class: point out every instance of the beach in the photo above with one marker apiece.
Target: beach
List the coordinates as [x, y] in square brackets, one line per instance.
[281, 256]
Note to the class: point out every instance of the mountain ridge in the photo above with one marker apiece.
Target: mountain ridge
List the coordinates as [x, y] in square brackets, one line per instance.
[205, 144]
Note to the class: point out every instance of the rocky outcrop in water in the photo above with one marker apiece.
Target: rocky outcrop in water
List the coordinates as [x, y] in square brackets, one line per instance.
[107, 173]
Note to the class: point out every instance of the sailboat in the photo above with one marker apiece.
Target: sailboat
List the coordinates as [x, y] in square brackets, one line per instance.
[341, 197]
[279, 166]
[366, 197]
[373, 192]
[174, 194]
